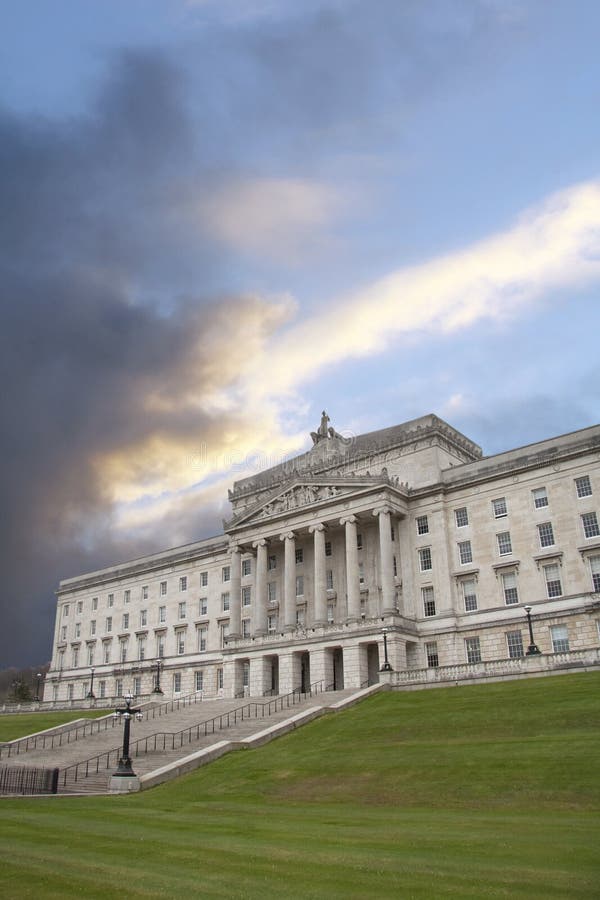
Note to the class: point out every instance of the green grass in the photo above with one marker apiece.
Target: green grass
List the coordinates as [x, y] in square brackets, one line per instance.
[479, 791]
[16, 725]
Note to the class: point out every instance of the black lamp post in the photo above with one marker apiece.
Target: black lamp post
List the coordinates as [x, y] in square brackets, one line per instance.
[533, 649]
[90, 694]
[157, 687]
[126, 713]
[37, 686]
[386, 667]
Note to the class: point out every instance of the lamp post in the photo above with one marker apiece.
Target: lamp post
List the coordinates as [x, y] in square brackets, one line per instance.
[157, 687]
[37, 686]
[90, 694]
[533, 649]
[386, 667]
[126, 713]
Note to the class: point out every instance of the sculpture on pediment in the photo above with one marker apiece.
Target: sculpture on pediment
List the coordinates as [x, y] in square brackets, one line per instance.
[321, 433]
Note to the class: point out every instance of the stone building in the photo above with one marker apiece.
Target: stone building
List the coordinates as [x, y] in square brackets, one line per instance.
[408, 529]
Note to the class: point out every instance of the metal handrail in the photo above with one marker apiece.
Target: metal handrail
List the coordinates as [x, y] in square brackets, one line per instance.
[152, 742]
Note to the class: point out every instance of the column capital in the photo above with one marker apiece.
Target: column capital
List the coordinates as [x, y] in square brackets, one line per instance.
[287, 536]
[319, 527]
[382, 510]
[235, 548]
[261, 542]
[348, 520]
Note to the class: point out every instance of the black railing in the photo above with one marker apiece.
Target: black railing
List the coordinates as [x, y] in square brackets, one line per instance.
[172, 740]
[28, 780]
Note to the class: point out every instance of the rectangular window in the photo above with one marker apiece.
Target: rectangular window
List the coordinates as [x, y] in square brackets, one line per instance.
[183, 583]
[106, 652]
[431, 654]
[63, 633]
[461, 517]
[225, 599]
[509, 587]
[137, 686]
[199, 681]
[246, 675]
[299, 555]
[61, 660]
[125, 621]
[514, 643]
[219, 679]
[329, 579]
[162, 613]
[181, 610]
[123, 651]
[422, 525]
[119, 687]
[203, 579]
[94, 603]
[144, 592]
[272, 592]
[428, 601]
[246, 567]
[560, 639]
[590, 524]
[272, 563]
[271, 624]
[553, 585]
[361, 573]
[395, 566]
[202, 638]
[473, 650]
[359, 542]
[299, 585]
[330, 612]
[584, 486]
[546, 534]
[300, 617]
[180, 636]
[203, 606]
[111, 600]
[328, 548]
[469, 594]
[90, 655]
[177, 682]
[127, 596]
[465, 552]
[160, 645]
[163, 589]
[93, 626]
[109, 623]
[224, 632]
[499, 507]
[102, 690]
[595, 572]
[540, 499]
[425, 563]
[504, 543]
[142, 648]
[78, 629]
[80, 606]
[245, 628]
[143, 618]
[226, 573]
[246, 595]
[66, 611]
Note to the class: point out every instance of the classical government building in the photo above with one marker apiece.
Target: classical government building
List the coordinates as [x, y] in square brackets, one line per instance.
[407, 537]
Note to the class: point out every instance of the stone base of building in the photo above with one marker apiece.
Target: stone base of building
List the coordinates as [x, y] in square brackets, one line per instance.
[124, 784]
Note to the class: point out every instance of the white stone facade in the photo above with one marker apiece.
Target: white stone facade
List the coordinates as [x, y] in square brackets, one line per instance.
[408, 528]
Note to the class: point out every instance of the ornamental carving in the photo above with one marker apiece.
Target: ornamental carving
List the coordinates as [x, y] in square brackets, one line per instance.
[302, 495]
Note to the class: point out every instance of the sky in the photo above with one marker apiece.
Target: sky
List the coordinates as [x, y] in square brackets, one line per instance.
[219, 217]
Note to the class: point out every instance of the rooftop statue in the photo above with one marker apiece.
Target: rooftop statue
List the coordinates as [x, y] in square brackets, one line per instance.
[322, 432]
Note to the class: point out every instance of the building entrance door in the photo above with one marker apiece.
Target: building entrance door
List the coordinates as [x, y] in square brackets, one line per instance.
[305, 673]
[338, 669]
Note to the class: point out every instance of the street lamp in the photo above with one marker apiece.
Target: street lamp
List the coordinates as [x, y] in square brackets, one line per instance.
[90, 694]
[37, 687]
[386, 667]
[157, 687]
[126, 713]
[533, 649]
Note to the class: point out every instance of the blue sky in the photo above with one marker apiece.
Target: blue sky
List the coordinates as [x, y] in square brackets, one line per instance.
[221, 217]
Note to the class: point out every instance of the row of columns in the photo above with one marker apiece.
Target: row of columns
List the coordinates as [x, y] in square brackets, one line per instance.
[288, 608]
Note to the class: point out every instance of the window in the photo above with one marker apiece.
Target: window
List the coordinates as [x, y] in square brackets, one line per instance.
[94, 603]
[219, 679]
[272, 622]
[177, 682]
[299, 555]
[246, 595]
[183, 583]
[163, 589]
[106, 652]
[330, 612]
[181, 610]
[203, 579]
[584, 486]
[590, 524]
[514, 643]
[225, 600]
[553, 585]
[504, 543]
[203, 606]
[469, 594]
[119, 687]
[137, 686]
[125, 621]
[361, 573]
[111, 600]
[422, 525]
[160, 645]
[246, 567]
[245, 628]
[127, 596]
[70, 692]
[300, 617]
[180, 636]
[145, 592]
[560, 639]
[431, 654]
[299, 585]
[595, 570]
[359, 542]
[61, 660]
[465, 552]
[226, 573]
[224, 633]
[425, 559]
[63, 633]
[202, 638]
[461, 517]
[509, 587]
[66, 611]
[102, 690]
[109, 623]
[428, 601]
[141, 648]
[162, 613]
[473, 650]
[540, 500]
[327, 548]
[80, 606]
[329, 579]
[271, 563]
[246, 675]
[90, 655]
[395, 566]
[123, 651]
[93, 626]
[143, 617]
[199, 681]
[546, 534]
[499, 507]
[78, 629]
[272, 592]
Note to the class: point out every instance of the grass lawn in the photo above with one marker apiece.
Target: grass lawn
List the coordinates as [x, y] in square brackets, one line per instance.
[16, 725]
[479, 791]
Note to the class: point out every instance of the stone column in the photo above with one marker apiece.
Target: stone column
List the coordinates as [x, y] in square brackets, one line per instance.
[352, 573]
[259, 610]
[260, 676]
[320, 582]
[289, 581]
[235, 595]
[386, 561]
